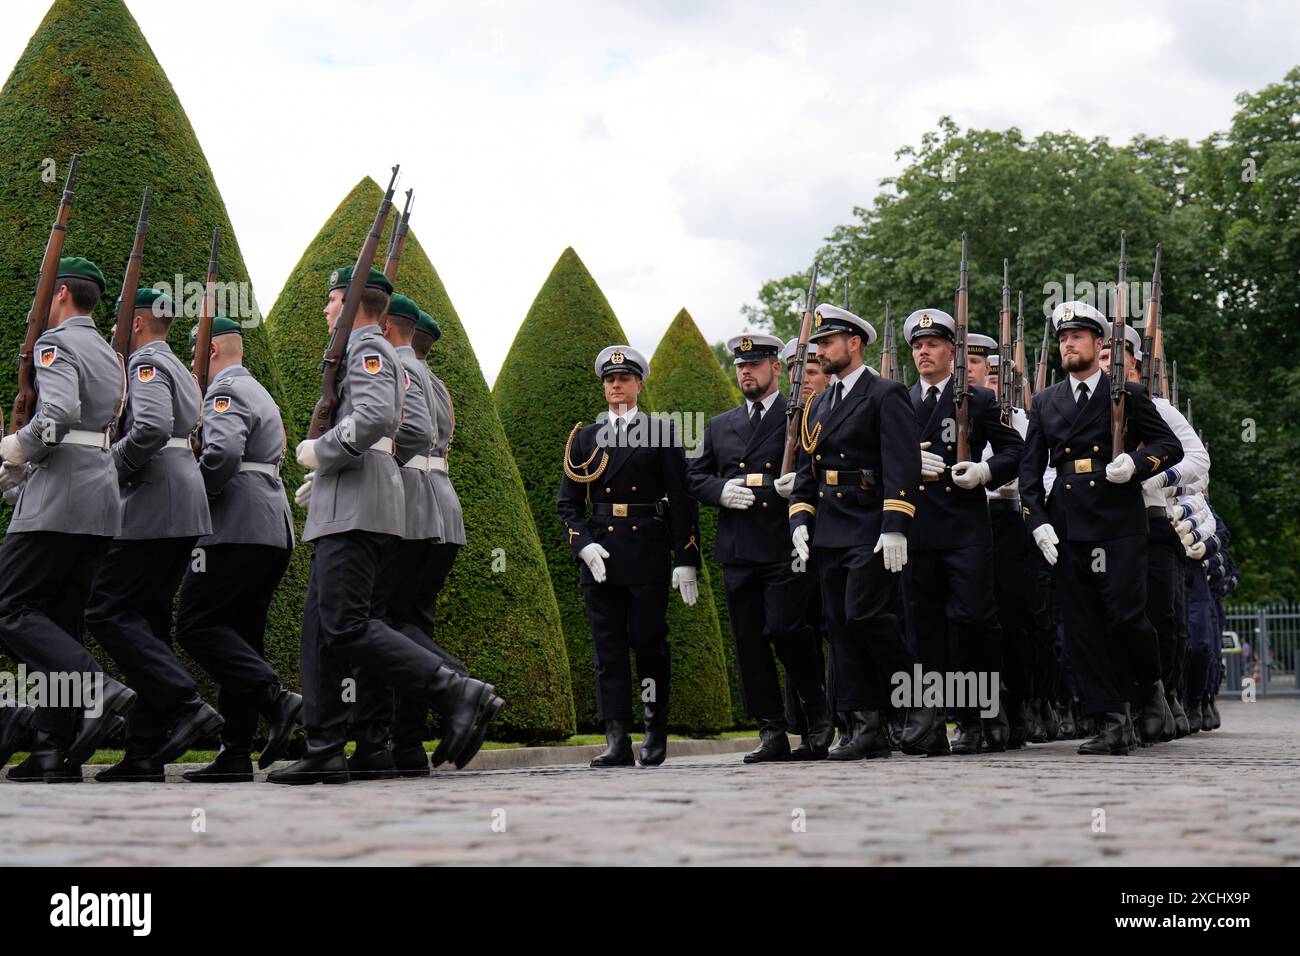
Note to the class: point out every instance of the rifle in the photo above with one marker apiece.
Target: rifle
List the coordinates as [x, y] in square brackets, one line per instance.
[794, 408]
[121, 340]
[899, 375]
[846, 293]
[1005, 384]
[888, 358]
[38, 316]
[203, 338]
[397, 241]
[1117, 346]
[1023, 396]
[1153, 345]
[322, 417]
[1173, 385]
[960, 386]
[1040, 369]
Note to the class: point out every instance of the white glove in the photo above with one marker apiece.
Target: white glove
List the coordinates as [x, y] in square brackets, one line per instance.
[11, 494]
[684, 581]
[932, 465]
[894, 544]
[785, 485]
[799, 538]
[1120, 470]
[11, 450]
[971, 474]
[736, 495]
[1196, 551]
[302, 496]
[11, 476]
[1046, 539]
[595, 557]
[306, 454]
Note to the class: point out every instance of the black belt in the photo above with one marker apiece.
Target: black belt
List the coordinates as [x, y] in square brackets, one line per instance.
[1155, 511]
[1081, 466]
[754, 479]
[859, 477]
[1004, 504]
[619, 509]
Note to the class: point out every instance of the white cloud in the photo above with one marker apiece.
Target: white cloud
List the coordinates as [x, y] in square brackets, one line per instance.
[687, 151]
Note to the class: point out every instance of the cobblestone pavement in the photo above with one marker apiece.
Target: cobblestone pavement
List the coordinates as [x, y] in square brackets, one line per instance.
[1231, 797]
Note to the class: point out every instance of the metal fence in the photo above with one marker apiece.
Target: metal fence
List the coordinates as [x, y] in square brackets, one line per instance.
[1270, 643]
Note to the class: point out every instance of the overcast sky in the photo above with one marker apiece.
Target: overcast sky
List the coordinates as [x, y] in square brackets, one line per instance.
[687, 151]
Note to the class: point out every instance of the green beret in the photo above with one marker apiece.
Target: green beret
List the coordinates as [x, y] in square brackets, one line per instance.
[342, 278]
[403, 307]
[429, 325]
[146, 299]
[79, 268]
[220, 326]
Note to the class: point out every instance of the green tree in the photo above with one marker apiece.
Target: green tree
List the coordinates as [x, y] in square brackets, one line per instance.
[497, 612]
[548, 383]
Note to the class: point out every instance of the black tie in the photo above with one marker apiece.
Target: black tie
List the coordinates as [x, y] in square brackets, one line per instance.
[927, 406]
[1083, 395]
[755, 417]
[837, 395]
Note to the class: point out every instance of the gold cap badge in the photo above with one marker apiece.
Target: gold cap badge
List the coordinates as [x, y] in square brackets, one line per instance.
[616, 358]
[334, 277]
[746, 344]
[1067, 315]
[926, 321]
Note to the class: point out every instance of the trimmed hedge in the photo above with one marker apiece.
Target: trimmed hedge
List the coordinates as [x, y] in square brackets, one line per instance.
[545, 386]
[503, 624]
[687, 379]
[89, 83]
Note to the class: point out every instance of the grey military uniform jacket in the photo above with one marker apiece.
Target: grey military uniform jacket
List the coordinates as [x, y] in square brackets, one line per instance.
[242, 423]
[453, 522]
[357, 487]
[71, 488]
[415, 441]
[162, 490]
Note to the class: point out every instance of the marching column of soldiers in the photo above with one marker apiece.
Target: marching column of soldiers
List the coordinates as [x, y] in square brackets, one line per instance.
[1086, 586]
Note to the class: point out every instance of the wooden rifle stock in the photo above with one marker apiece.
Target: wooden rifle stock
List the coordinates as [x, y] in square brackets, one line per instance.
[397, 241]
[1023, 395]
[794, 408]
[121, 340]
[1153, 343]
[888, 354]
[960, 385]
[1006, 384]
[1117, 360]
[203, 338]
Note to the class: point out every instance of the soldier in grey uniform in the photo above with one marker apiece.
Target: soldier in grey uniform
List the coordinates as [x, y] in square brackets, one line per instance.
[164, 511]
[68, 509]
[356, 516]
[226, 593]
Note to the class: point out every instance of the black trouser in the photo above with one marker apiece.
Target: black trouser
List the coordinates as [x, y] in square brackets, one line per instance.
[339, 634]
[45, 581]
[1012, 588]
[407, 601]
[221, 623]
[1163, 568]
[767, 605]
[1181, 585]
[1204, 640]
[130, 615]
[953, 589]
[623, 618]
[1102, 592]
[863, 610]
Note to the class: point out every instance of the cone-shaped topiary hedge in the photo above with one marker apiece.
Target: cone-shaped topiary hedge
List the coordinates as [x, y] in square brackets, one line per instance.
[497, 612]
[88, 83]
[546, 385]
[687, 379]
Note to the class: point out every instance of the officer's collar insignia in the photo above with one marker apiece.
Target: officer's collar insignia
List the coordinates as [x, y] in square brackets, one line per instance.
[372, 362]
[926, 321]
[334, 277]
[145, 373]
[1067, 315]
[616, 358]
[746, 344]
[221, 404]
[48, 355]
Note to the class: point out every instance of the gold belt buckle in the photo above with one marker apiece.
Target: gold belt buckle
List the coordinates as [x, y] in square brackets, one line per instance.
[754, 480]
[931, 477]
[1082, 465]
[620, 510]
[831, 477]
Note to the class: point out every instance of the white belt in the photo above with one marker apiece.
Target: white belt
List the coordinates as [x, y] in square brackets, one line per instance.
[79, 436]
[178, 443]
[384, 444]
[438, 464]
[419, 463]
[263, 467]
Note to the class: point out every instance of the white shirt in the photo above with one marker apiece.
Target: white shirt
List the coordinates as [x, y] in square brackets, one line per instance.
[940, 385]
[627, 417]
[1195, 466]
[765, 402]
[849, 381]
[1091, 381]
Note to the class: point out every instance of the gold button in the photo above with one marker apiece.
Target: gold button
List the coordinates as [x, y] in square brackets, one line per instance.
[821, 494]
[918, 488]
[819, 457]
[1067, 487]
[764, 504]
[841, 454]
[948, 488]
[633, 527]
[839, 494]
[768, 465]
[742, 464]
[609, 491]
[1092, 484]
[634, 487]
[1067, 451]
[950, 447]
[1095, 448]
[610, 528]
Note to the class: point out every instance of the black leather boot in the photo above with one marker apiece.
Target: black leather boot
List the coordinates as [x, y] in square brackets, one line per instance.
[282, 709]
[997, 729]
[654, 744]
[191, 721]
[46, 763]
[231, 765]
[1194, 715]
[372, 759]
[1151, 717]
[894, 730]
[868, 740]
[925, 734]
[1069, 728]
[1019, 730]
[136, 766]
[618, 750]
[1181, 728]
[118, 699]
[773, 743]
[14, 721]
[970, 736]
[331, 767]
[1209, 715]
[1130, 731]
[816, 743]
[1111, 738]
[1051, 720]
[410, 760]
[467, 707]
[1036, 733]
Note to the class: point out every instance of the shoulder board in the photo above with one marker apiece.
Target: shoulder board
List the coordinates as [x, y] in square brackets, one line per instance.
[222, 382]
[148, 351]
